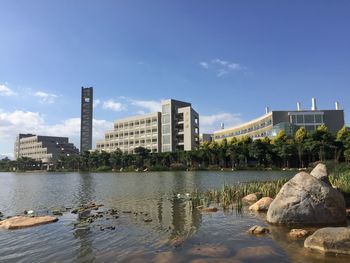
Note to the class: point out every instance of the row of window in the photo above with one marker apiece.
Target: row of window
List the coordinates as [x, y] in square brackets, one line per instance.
[306, 118]
[130, 134]
[246, 130]
[136, 142]
[132, 124]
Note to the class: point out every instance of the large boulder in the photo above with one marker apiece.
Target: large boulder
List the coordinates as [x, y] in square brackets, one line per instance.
[308, 200]
[320, 172]
[330, 239]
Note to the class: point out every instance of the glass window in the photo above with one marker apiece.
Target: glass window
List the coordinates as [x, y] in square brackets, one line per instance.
[166, 129]
[294, 119]
[309, 118]
[166, 119]
[300, 119]
[166, 139]
[166, 108]
[318, 118]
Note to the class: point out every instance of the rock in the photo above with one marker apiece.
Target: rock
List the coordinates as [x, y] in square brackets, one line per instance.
[215, 260]
[75, 211]
[209, 209]
[252, 198]
[25, 221]
[147, 220]
[347, 212]
[261, 205]
[209, 251]
[297, 233]
[255, 253]
[56, 212]
[258, 230]
[165, 257]
[320, 172]
[84, 213]
[306, 200]
[330, 239]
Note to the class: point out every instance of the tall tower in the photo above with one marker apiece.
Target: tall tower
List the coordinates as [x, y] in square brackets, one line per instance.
[86, 119]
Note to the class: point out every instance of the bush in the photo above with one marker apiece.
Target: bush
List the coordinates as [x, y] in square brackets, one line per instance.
[103, 169]
[178, 167]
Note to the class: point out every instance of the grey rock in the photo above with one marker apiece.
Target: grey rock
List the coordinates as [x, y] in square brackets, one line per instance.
[306, 200]
[258, 230]
[320, 172]
[330, 240]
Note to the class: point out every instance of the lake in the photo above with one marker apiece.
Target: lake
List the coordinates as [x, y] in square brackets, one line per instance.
[176, 233]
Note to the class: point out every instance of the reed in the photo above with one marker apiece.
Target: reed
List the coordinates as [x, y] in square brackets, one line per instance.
[230, 196]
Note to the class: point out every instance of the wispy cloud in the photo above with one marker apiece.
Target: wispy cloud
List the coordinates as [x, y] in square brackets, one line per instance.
[6, 91]
[148, 105]
[210, 123]
[44, 97]
[204, 64]
[97, 102]
[113, 105]
[222, 67]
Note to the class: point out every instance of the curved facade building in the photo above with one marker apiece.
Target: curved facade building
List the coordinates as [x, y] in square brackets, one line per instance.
[272, 122]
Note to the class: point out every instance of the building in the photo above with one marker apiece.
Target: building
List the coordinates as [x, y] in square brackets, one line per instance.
[176, 127]
[43, 148]
[86, 119]
[272, 122]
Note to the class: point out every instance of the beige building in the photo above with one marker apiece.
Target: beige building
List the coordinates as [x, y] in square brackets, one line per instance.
[290, 121]
[42, 148]
[176, 127]
[133, 132]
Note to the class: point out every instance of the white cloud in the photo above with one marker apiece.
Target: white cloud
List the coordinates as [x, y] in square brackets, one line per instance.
[113, 105]
[221, 72]
[210, 123]
[97, 102]
[204, 64]
[13, 123]
[148, 105]
[6, 91]
[45, 97]
[222, 67]
[219, 61]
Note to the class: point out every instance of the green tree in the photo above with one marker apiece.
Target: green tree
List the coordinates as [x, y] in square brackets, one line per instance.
[300, 139]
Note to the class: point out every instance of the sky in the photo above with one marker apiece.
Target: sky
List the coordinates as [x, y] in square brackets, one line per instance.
[230, 59]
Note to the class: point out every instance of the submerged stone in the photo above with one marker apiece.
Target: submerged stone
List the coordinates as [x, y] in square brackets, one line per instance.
[25, 221]
[330, 240]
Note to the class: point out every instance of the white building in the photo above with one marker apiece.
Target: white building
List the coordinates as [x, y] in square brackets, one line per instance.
[176, 127]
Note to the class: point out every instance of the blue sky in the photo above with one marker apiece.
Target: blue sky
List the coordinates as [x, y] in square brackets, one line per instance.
[230, 59]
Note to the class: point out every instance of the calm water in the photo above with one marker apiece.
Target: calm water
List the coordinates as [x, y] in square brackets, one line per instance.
[177, 233]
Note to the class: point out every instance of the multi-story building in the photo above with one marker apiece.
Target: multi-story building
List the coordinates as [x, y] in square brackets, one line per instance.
[86, 119]
[205, 137]
[130, 133]
[43, 148]
[272, 122]
[176, 127]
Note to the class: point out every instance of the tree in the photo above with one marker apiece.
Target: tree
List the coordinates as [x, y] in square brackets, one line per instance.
[300, 138]
[283, 148]
[347, 155]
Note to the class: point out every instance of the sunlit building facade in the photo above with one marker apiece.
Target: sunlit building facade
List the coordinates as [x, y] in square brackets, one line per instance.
[272, 122]
[175, 128]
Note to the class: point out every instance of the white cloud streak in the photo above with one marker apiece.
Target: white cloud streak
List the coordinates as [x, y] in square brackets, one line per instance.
[148, 105]
[222, 67]
[210, 123]
[113, 105]
[44, 97]
[6, 91]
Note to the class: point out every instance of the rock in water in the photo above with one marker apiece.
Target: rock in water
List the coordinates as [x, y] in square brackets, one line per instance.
[306, 200]
[25, 221]
[330, 239]
[262, 205]
[252, 198]
[297, 233]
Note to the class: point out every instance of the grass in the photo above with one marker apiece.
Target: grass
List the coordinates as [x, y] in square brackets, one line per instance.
[231, 196]
[341, 181]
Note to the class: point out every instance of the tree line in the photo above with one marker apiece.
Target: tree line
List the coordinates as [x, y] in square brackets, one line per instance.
[280, 152]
